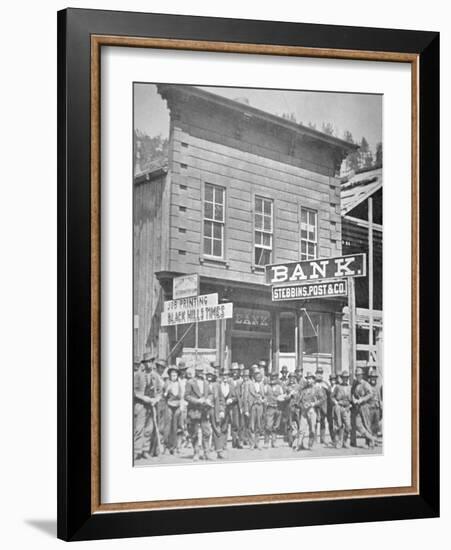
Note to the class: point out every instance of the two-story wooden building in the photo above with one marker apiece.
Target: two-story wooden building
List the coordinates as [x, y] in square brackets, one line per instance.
[241, 188]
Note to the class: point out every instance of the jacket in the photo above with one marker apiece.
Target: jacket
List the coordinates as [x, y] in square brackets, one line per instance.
[193, 396]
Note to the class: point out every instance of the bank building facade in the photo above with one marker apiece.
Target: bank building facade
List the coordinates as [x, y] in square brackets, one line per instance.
[240, 189]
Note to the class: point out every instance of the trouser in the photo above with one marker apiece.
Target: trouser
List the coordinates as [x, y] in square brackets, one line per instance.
[374, 414]
[362, 423]
[307, 427]
[163, 419]
[284, 421]
[330, 421]
[245, 432]
[200, 428]
[256, 423]
[174, 427]
[220, 430]
[292, 425]
[139, 422]
[321, 416]
[342, 424]
[151, 435]
[235, 425]
[272, 423]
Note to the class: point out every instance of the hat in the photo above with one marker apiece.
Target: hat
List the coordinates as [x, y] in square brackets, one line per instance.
[359, 370]
[160, 362]
[136, 360]
[291, 375]
[172, 368]
[215, 364]
[147, 357]
[199, 368]
[262, 363]
[319, 370]
[284, 369]
[373, 373]
[182, 365]
[209, 371]
[241, 366]
[273, 375]
[224, 371]
[235, 366]
[310, 375]
[332, 376]
[344, 374]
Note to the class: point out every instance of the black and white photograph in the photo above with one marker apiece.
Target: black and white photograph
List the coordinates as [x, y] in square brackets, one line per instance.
[257, 250]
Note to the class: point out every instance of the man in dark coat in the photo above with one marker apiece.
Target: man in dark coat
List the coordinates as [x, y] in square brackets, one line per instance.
[341, 400]
[153, 391]
[310, 399]
[236, 409]
[199, 397]
[362, 393]
[375, 404]
[274, 400]
[321, 410]
[253, 401]
[224, 399]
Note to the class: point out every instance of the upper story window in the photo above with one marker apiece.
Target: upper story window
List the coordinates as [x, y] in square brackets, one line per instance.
[263, 227]
[214, 203]
[309, 233]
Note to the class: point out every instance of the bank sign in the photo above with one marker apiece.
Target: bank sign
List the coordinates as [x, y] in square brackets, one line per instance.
[326, 289]
[353, 265]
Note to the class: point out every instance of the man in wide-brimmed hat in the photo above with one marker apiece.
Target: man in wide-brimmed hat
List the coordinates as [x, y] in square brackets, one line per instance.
[375, 403]
[274, 401]
[224, 397]
[153, 393]
[254, 397]
[362, 393]
[139, 408]
[236, 423]
[308, 401]
[198, 394]
[341, 399]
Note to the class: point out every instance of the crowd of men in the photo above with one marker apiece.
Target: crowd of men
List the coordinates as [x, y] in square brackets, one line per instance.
[176, 408]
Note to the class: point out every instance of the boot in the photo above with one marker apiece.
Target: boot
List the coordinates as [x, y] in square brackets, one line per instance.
[311, 441]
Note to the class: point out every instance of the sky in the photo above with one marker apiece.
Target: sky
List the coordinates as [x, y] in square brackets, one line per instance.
[361, 114]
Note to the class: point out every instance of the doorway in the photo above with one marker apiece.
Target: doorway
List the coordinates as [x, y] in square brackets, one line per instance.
[249, 350]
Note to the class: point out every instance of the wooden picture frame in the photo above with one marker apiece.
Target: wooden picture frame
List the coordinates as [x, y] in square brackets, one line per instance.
[81, 35]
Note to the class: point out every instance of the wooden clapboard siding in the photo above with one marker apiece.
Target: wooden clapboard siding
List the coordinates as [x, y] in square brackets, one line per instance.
[235, 152]
[274, 146]
[243, 174]
[150, 255]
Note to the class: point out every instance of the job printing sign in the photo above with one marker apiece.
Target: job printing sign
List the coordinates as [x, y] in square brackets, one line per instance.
[196, 314]
[181, 304]
[314, 270]
[326, 289]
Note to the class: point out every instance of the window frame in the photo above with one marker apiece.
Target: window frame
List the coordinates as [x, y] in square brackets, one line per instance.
[214, 221]
[256, 196]
[315, 211]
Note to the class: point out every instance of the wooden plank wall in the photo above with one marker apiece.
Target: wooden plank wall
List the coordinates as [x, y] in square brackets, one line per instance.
[148, 257]
[198, 158]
